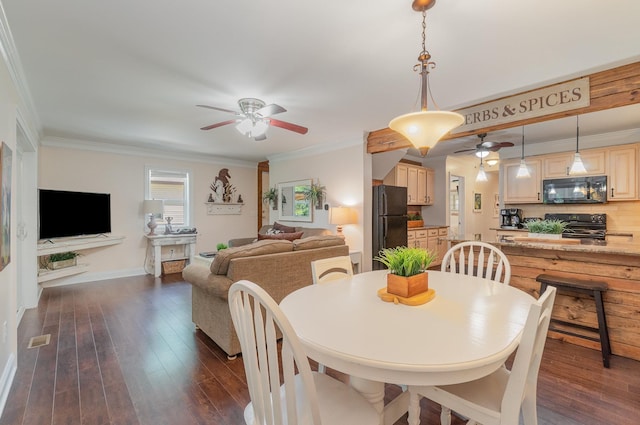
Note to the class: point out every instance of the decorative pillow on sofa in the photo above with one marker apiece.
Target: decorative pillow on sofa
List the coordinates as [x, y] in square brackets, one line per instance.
[313, 242]
[283, 228]
[272, 231]
[220, 264]
[281, 236]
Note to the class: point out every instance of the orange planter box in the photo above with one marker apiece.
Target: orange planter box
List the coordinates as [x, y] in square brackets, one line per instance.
[407, 286]
[415, 223]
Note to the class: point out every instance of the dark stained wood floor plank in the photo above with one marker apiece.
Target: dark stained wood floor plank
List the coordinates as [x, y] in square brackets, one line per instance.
[124, 352]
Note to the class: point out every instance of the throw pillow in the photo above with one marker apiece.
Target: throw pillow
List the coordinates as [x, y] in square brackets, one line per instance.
[273, 231]
[285, 236]
[283, 228]
[220, 264]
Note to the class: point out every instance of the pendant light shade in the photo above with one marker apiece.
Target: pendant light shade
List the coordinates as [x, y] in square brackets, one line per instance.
[577, 167]
[425, 128]
[523, 170]
[482, 176]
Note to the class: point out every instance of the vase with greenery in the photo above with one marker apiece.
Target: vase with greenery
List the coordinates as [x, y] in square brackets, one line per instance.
[221, 246]
[271, 196]
[315, 194]
[550, 229]
[61, 260]
[407, 269]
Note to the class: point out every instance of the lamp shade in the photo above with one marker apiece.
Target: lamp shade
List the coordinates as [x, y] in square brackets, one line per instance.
[425, 128]
[152, 206]
[343, 215]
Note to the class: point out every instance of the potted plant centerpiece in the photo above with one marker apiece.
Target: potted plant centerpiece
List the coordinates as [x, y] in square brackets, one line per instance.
[271, 196]
[407, 269]
[546, 229]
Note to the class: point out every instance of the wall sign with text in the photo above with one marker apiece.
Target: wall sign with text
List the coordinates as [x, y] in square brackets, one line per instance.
[545, 101]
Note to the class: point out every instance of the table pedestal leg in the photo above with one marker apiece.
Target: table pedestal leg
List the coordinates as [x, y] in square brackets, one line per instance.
[374, 393]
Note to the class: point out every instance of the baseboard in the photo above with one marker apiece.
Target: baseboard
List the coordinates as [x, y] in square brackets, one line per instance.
[93, 277]
[6, 380]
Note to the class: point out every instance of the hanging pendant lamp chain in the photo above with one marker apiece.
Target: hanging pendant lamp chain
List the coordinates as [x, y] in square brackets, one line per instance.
[522, 142]
[424, 66]
[577, 133]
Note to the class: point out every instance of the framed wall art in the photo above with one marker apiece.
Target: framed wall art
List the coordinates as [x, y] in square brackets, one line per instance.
[477, 202]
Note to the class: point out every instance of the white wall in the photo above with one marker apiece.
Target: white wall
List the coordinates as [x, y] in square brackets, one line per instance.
[122, 175]
[340, 170]
[8, 281]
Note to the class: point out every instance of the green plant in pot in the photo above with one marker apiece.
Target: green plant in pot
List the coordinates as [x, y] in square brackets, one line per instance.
[271, 196]
[221, 246]
[315, 194]
[407, 269]
[546, 228]
[414, 220]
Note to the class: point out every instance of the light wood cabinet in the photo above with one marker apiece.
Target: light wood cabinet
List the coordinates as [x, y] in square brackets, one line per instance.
[623, 174]
[430, 194]
[558, 165]
[432, 238]
[523, 190]
[415, 179]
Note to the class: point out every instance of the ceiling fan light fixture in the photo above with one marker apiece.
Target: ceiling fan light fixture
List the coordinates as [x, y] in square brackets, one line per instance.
[482, 153]
[245, 127]
[425, 128]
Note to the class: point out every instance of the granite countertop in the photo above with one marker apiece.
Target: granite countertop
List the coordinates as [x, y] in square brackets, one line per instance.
[427, 226]
[626, 248]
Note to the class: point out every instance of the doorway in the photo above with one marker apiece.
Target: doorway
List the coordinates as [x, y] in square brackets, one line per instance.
[456, 205]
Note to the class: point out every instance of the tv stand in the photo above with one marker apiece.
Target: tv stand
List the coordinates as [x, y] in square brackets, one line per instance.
[54, 246]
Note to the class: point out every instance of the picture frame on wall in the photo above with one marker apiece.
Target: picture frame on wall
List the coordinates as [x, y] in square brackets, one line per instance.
[5, 205]
[477, 202]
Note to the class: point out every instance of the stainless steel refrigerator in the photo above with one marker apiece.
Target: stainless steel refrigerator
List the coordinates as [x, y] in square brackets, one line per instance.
[389, 219]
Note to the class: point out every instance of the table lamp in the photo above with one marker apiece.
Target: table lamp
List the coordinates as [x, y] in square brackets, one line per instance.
[341, 216]
[152, 207]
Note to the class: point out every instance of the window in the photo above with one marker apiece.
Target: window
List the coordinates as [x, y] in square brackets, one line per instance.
[174, 189]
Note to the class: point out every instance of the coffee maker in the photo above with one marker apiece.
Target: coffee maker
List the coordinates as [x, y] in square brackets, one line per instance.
[511, 218]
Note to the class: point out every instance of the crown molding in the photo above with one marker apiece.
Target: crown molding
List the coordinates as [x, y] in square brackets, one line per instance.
[68, 143]
[26, 112]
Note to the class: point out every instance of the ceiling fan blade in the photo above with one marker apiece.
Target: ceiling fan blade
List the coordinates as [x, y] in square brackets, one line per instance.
[288, 126]
[219, 109]
[269, 110]
[498, 146]
[465, 150]
[220, 124]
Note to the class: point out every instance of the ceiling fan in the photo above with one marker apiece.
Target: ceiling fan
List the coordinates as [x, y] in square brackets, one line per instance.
[483, 148]
[254, 118]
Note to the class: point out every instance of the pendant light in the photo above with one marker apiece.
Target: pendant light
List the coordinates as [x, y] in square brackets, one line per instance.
[577, 167]
[425, 128]
[523, 171]
[482, 176]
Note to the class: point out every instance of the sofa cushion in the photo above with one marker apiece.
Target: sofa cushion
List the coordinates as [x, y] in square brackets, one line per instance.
[283, 228]
[220, 264]
[281, 236]
[313, 242]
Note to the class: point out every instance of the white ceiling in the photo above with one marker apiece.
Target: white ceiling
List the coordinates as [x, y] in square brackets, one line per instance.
[131, 72]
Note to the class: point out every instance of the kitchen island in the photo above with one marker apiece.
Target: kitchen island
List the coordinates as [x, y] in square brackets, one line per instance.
[617, 264]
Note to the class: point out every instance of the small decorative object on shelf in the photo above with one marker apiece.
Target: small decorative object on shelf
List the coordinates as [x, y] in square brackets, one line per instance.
[221, 246]
[315, 193]
[407, 276]
[167, 228]
[271, 196]
[62, 260]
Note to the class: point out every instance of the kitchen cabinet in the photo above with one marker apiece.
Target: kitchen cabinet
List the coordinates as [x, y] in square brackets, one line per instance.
[430, 189]
[415, 179]
[432, 238]
[558, 165]
[523, 190]
[623, 174]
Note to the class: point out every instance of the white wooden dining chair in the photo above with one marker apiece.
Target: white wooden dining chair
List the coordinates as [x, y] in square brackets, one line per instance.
[279, 395]
[477, 259]
[328, 269]
[498, 398]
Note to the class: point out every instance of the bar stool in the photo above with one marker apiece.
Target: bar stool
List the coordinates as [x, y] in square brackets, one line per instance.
[590, 287]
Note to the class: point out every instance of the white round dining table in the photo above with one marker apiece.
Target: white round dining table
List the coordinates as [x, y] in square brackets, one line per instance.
[465, 332]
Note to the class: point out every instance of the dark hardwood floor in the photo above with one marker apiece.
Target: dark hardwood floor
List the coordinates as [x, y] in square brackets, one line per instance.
[125, 352]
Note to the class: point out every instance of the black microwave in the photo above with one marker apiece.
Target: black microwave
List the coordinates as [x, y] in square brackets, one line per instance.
[575, 190]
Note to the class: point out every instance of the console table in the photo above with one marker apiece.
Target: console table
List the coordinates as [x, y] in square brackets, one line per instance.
[154, 250]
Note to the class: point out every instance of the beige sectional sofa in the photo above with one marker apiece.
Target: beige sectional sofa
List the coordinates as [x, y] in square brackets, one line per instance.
[306, 232]
[278, 266]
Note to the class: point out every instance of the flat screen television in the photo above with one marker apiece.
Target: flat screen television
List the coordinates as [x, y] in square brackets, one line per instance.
[63, 213]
